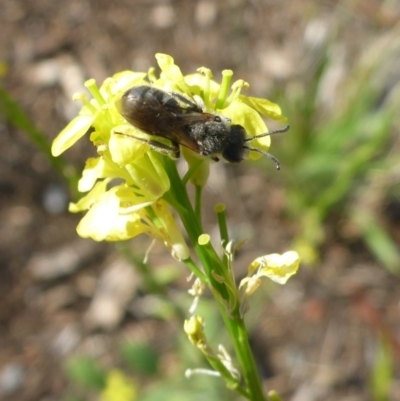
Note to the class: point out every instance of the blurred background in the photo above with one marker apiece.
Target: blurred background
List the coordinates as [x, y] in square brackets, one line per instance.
[80, 320]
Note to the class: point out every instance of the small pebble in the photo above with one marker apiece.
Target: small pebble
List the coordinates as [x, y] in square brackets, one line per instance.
[55, 199]
[62, 261]
[11, 378]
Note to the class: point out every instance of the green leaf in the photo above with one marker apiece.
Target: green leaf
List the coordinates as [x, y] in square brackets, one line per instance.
[86, 372]
[141, 358]
[383, 374]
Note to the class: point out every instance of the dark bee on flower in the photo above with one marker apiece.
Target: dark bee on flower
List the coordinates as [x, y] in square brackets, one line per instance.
[172, 116]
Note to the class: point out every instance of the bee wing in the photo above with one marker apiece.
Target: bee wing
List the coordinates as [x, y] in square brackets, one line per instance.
[159, 113]
[153, 110]
[181, 123]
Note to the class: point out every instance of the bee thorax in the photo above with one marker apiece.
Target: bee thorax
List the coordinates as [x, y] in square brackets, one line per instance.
[211, 136]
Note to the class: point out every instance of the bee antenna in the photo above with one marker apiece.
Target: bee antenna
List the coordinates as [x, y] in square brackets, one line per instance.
[278, 131]
[273, 158]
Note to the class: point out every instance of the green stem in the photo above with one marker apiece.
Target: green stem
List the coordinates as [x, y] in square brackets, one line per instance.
[222, 291]
[223, 231]
[192, 169]
[224, 88]
[223, 228]
[231, 382]
[199, 190]
[240, 340]
[17, 117]
[193, 267]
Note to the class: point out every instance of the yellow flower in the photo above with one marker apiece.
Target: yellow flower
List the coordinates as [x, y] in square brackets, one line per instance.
[194, 328]
[118, 387]
[99, 113]
[278, 268]
[242, 110]
[125, 184]
[118, 214]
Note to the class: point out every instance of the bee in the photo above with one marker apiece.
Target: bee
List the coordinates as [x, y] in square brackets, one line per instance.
[183, 122]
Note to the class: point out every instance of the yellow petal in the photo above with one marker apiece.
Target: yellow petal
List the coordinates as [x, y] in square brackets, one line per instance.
[126, 227]
[264, 107]
[125, 146]
[91, 173]
[247, 117]
[72, 133]
[249, 285]
[252, 122]
[121, 82]
[278, 268]
[99, 220]
[197, 83]
[171, 74]
[170, 232]
[130, 200]
[98, 168]
[149, 175]
[88, 200]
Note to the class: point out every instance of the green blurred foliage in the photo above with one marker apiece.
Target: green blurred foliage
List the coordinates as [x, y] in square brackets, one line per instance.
[88, 377]
[336, 159]
[85, 372]
[141, 358]
[15, 115]
[382, 376]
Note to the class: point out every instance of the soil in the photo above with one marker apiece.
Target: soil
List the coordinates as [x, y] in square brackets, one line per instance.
[316, 339]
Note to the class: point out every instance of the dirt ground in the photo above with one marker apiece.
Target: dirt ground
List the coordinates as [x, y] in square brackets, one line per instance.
[316, 339]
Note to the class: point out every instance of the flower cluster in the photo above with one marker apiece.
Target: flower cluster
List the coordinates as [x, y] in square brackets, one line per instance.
[126, 183]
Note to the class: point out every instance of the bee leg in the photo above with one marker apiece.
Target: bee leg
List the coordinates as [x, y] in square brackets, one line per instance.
[172, 151]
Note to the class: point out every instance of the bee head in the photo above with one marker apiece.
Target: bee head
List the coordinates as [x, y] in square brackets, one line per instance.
[236, 149]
